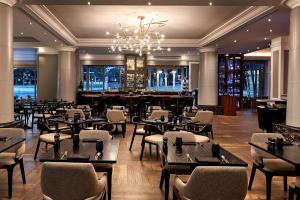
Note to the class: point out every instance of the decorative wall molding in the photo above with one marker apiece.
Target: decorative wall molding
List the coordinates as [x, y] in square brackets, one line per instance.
[291, 3]
[44, 14]
[11, 3]
[234, 23]
[207, 49]
[67, 48]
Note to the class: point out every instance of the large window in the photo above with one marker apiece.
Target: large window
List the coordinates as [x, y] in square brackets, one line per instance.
[25, 82]
[256, 78]
[104, 77]
[166, 78]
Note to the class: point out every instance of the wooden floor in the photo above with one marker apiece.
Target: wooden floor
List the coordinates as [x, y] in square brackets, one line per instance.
[133, 179]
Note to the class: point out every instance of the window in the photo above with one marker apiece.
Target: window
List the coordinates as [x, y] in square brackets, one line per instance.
[101, 78]
[25, 82]
[166, 78]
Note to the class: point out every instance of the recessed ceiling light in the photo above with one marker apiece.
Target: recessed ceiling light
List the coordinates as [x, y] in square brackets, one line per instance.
[22, 33]
[269, 20]
[169, 49]
[271, 30]
[30, 23]
[107, 33]
[265, 38]
[234, 41]
[210, 3]
[55, 40]
[247, 30]
[149, 3]
[89, 3]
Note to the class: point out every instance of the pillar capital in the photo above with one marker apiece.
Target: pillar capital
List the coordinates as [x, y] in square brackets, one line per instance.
[67, 48]
[291, 3]
[10, 3]
[207, 49]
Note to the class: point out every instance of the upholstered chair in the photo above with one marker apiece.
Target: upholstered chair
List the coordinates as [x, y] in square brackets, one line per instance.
[95, 134]
[117, 118]
[72, 111]
[13, 156]
[137, 121]
[213, 182]
[47, 136]
[268, 164]
[202, 122]
[156, 114]
[72, 181]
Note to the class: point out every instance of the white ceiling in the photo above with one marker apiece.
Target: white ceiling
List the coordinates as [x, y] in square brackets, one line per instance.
[184, 22]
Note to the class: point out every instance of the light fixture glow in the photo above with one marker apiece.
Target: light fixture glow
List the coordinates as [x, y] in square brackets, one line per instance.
[89, 3]
[210, 3]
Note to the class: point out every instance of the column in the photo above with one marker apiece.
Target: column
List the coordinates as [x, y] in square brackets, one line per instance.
[6, 61]
[279, 66]
[193, 75]
[293, 96]
[66, 85]
[208, 77]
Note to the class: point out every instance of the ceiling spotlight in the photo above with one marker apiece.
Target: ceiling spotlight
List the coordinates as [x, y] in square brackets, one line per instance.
[149, 3]
[107, 33]
[22, 33]
[168, 49]
[271, 30]
[89, 3]
[55, 40]
[265, 38]
[234, 41]
[247, 30]
[269, 20]
[210, 3]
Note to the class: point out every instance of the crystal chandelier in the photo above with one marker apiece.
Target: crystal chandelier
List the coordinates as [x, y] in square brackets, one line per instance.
[142, 39]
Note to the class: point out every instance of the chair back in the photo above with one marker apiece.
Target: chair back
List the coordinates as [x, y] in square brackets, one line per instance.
[156, 114]
[221, 183]
[94, 134]
[185, 135]
[72, 181]
[83, 107]
[115, 116]
[257, 154]
[152, 129]
[118, 108]
[152, 108]
[204, 117]
[72, 111]
[15, 132]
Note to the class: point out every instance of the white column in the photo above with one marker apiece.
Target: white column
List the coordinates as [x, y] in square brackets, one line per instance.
[293, 108]
[66, 86]
[278, 59]
[193, 75]
[6, 61]
[208, 77]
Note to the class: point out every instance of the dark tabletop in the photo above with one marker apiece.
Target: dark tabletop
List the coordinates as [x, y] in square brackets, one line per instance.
[70, 121]
[86, 149]
[9, 143]
[202, 152]
[289, 153]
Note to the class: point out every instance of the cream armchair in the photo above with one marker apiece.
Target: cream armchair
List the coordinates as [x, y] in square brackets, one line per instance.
[72, 181]
[268, 164]
[156, 114]
[13, 156]
[202, 122]
[117, 118]
[94, 134]
[71, 112]
[211, 183]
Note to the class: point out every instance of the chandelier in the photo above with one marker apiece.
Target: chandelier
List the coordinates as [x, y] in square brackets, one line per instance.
[144, 38]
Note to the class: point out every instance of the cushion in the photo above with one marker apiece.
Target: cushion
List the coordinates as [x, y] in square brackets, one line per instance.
[140, 131]
[49, 137]
[201, 138]
[7, 158]
[273, 164]
[154, 139]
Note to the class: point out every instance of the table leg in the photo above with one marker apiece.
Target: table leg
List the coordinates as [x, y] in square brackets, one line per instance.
[109, 183]
[167, 182]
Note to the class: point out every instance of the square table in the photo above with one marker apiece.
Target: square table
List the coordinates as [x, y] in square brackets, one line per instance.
[187, 157]
[110, 154]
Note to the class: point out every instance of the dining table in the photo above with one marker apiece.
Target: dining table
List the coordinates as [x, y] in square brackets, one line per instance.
[290, 153]
[192, 155]
[86, 152]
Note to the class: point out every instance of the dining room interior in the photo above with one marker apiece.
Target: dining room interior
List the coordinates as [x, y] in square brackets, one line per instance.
[125, 100]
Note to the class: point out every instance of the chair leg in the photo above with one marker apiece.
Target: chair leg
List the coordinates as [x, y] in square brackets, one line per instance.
[252, 176]
[285, 183]
[22, 170]
[142, 151]
[157, 151]
[10, 170]
[150, 149]
[131, 143]
[174, 195]
[212, 134]
[291, 193]
[37, 149]
[269, 186]
[162, 178]
[109, 183]
[46, 146]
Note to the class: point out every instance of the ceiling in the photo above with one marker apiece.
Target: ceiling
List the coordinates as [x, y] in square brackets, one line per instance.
[156, 2]
[191, 23]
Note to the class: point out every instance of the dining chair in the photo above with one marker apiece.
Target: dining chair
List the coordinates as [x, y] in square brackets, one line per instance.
[10, 158]
[268, 164]
[95, 134]
[156, 114]
[72, 111]
[72, 181]
[153, 136]
[203, 122]
[47, 135]
[117, 118]
[40, 114]
[213, 182]
[136, 120]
